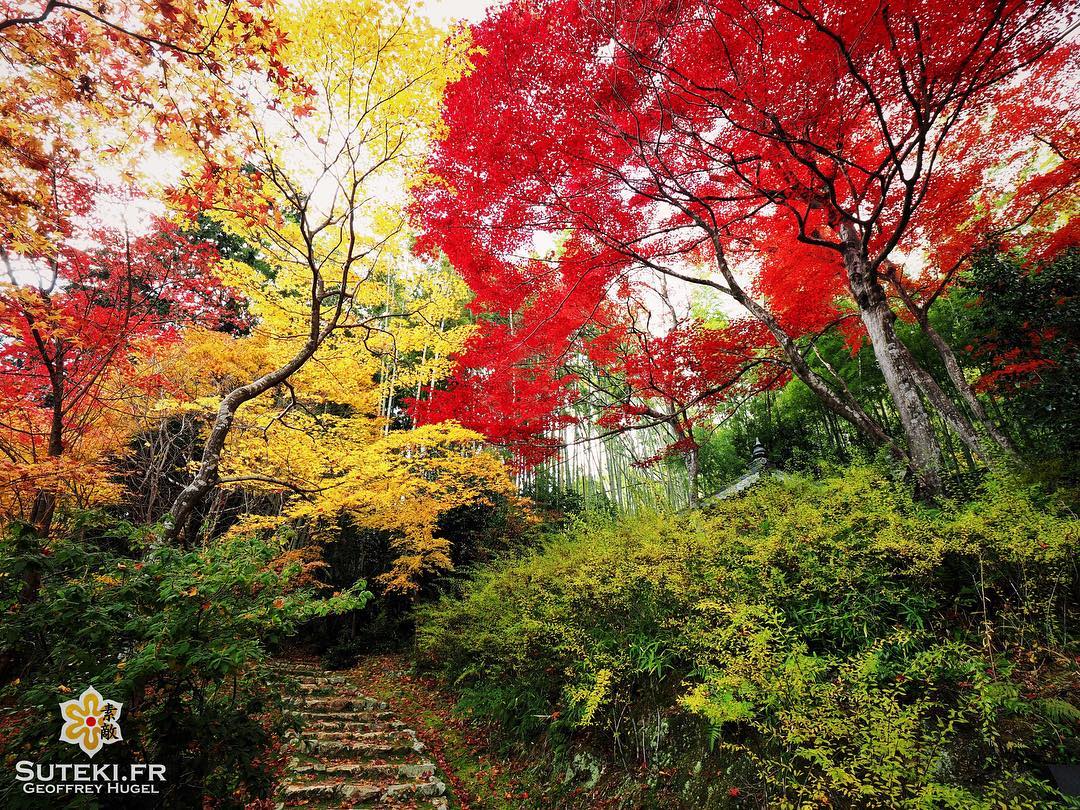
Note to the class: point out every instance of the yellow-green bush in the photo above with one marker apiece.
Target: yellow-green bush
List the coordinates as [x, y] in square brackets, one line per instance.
[819, 641]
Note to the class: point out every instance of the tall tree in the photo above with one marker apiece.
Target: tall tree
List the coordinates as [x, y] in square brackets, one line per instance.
[678, 380]
[704, 140]
[323, 447]
[321, 188]
[92, 91]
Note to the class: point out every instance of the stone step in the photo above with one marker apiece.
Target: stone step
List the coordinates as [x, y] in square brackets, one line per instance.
[330, 693]
[388, 737]
[368, 733]
[342, 704]
[353, 724]
[399, 771]
[314, 676]
[362, 750]
[331, 717]
[361, 792]
[312, 687]
[414, 790]
[303, 671]
[350, 750]
[327, 694]
[352, 792]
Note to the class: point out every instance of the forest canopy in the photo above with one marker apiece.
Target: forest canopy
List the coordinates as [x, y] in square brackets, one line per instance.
[689, 387]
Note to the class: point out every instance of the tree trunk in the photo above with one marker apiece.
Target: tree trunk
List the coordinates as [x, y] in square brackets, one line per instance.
[181, 518]
[960, 383]
[45, 500]
[839, 402]
[693, 473]
[895, 363]
[41, 515]
[952, 366]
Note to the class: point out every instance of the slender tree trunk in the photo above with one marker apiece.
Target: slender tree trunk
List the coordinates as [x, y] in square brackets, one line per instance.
[182, 516]
[839, 402]
[963, 387]
[41, 515]
[693, 473]
[684, 434]
[833, 434]
[950, 448]
[955, 372]
[950, 414]
[1019, 435]
[881, 409]
[895, 363]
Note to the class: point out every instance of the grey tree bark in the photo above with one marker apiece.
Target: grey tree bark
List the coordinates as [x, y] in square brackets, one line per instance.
[895, 362]
[953, 370]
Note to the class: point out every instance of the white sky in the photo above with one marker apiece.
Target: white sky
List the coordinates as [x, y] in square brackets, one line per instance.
[442, 12]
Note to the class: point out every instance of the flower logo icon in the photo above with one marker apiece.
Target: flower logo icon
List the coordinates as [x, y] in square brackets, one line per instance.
[91, 721]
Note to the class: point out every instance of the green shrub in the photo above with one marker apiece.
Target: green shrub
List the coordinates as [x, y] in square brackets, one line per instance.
[178, 636]
[830, 641]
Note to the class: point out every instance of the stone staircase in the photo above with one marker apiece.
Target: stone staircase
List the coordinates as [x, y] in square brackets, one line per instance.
[351, 751]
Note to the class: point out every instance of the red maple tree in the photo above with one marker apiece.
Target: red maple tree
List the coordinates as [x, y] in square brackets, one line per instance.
[809, 160]
[679, 378]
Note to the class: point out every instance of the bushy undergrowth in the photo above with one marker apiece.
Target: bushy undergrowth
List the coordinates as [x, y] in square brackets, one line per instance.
[813, 643]
[178, 636]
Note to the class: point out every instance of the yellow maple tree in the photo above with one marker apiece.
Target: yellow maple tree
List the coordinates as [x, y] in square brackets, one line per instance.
[346, 322]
